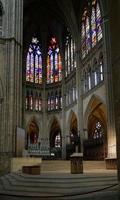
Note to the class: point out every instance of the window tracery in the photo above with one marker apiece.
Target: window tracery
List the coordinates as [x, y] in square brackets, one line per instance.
[70, 63]
[91, 28]
[34, 63]
[54, 63]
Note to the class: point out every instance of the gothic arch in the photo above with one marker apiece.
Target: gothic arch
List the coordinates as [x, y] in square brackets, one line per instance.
[35, 119]
[52, 119]
[95, 146]
[55, 136]
[92, 104]
[33, 128]
[72, 124]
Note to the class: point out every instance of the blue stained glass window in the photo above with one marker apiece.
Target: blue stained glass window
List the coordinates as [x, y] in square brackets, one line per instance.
[34, 63]
[85, 35]
[88, 38]
[98, 22]
[91, 29]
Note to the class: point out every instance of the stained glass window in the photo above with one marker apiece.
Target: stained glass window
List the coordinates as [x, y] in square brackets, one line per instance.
[60, 100]
[91, 30]
[52, 101]
[98, 22]
[88, 38]
[48, 102]
[70, 63]
[83, 34]
[54, 64]
[27, 101]
[36, 102]
[58, 140]
[40, 103]
[98, 130]
[93, 27]
[31, 101]
[89, 80]
[34, 63]
[56, 101]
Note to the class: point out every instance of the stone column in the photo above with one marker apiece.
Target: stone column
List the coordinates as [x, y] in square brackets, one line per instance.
[63, 118]
[114, 16]
[79, 100]
[12, 32]
[108, 79]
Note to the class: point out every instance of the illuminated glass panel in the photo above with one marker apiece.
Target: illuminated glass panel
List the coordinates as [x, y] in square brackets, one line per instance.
[52, 67]
[95, 77]
[56, 67]
[66, 57]
[60, 67]
[98, 130]
[84, 37]
[27, 101]
[83, 43]
[52, 102]
[32, 67]
[101, 71]
[54, 64]
[93, 27]
[91, 30]
[88, 37]
[56, 102]
[72, 54]
[40, 103]
[60, 100]
[98, 22]
[70, 63]
[57, 140]
[31, 101]
[48, 102]
[34, 63]
[48, 69]
[36, 69]
[36, 102]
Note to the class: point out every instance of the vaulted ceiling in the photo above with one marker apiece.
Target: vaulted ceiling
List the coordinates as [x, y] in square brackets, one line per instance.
[43, 16]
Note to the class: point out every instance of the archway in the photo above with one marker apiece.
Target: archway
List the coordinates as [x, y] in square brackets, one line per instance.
[32, 133]
[73, 135]
[55, 139]
[73, 128]
[95, 146]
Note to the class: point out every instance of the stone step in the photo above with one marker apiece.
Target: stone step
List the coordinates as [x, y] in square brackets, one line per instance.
[34, 186]
[54, 181]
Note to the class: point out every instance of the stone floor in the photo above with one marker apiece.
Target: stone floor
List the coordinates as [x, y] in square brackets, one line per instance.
[56, 182]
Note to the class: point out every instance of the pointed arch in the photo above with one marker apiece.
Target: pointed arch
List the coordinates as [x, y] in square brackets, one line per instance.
[72, 122]
[32, 131]
[55, 136]
[95, 146]
[94, 103]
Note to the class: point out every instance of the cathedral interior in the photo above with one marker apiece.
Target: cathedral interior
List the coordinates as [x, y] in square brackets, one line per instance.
[59, 81]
